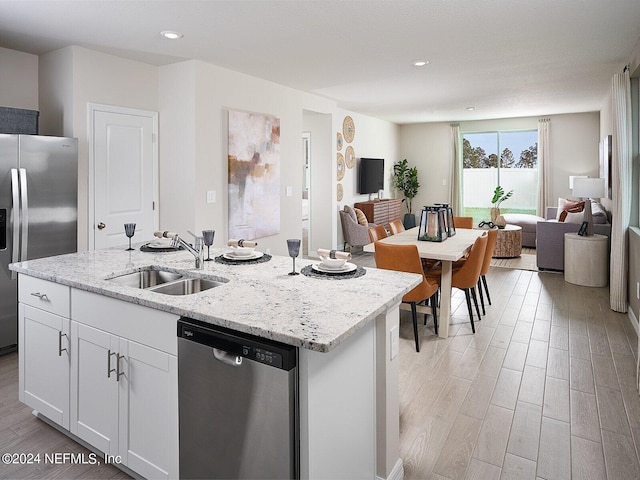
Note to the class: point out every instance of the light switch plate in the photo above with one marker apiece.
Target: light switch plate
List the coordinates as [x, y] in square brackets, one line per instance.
[211, 196]
[289, 191]
[394, 341]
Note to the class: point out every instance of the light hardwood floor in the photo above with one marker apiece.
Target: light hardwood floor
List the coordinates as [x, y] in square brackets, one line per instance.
[544, 389]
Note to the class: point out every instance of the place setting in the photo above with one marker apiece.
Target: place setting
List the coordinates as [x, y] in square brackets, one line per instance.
[242, 252]
[333, 265]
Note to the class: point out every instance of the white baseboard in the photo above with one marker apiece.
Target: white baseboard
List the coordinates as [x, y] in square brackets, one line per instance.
[634, 321]
[397, 472]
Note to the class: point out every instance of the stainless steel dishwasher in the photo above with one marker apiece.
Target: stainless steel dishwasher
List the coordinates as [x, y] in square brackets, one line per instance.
[238, 405]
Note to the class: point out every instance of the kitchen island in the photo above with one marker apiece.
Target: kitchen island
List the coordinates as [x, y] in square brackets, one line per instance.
[347, 378]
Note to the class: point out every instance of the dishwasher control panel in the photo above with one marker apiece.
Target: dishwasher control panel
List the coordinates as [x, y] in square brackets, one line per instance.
[269, 352]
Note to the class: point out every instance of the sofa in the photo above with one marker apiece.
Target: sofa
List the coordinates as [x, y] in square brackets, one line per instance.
[550, 238]
[528, 223]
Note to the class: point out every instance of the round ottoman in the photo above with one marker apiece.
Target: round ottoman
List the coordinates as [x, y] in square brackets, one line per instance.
[528, 223]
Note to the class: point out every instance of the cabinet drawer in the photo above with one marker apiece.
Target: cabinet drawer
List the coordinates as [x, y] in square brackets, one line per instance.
[48, 296]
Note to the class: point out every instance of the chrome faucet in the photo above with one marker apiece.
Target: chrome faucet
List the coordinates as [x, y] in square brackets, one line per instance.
[197, 250]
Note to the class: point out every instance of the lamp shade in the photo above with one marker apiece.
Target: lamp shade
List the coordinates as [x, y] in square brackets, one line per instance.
[573, 177]
[588, 187]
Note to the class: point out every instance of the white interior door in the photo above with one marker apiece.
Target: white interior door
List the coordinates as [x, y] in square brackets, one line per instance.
[124, 151]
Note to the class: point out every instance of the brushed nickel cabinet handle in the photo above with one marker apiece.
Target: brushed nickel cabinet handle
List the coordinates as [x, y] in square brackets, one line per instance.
[118, 372]
[109, 369]
[41, 296]
[60, 349]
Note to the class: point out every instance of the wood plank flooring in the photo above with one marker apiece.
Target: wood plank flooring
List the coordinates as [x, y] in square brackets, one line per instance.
[543, 390]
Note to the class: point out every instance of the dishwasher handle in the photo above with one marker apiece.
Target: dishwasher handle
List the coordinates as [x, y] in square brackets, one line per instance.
[227, 358]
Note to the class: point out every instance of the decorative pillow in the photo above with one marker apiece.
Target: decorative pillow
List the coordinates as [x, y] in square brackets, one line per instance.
[598, 213]
[351, 213]
[568, 206]
[576, 217]
[362, 218]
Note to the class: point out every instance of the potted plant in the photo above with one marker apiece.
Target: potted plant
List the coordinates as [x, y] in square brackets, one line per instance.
[498, 197]
[405, 180]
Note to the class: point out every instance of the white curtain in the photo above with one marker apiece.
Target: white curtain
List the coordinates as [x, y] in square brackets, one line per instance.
[621, 190]
[543, 166]
[456, 170]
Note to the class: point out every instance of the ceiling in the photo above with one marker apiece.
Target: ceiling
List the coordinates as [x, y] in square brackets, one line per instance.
[506, 58]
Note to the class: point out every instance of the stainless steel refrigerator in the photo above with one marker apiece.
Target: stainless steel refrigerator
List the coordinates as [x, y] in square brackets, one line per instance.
[38, 212]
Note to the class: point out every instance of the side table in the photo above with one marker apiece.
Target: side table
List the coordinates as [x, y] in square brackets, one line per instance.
[585, 260]
[508, 242]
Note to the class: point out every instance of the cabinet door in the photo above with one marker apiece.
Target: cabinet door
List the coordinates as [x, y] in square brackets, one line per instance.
[44, 363]
[148, 410]
[94, 387]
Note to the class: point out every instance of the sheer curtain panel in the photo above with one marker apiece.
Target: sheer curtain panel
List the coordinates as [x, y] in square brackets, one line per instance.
[456, 170]
[621, 190]
[544, 125]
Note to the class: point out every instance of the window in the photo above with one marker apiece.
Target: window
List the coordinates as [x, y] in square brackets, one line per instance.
[508, 159]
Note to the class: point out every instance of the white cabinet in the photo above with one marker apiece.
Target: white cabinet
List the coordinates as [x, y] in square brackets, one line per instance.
[123, 401]
[124, 394]
[104, 369]
[44, 363]
[43, 345]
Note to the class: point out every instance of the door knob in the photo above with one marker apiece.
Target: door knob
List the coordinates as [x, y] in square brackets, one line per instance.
[101, 226]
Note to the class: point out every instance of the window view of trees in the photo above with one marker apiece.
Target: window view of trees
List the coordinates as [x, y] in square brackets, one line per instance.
[476, 157]
[508, 159]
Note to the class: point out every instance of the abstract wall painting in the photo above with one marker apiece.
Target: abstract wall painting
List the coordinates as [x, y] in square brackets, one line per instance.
[254, 175]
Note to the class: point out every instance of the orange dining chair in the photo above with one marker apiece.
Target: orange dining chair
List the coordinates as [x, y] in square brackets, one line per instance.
[492, 236]
[405, 258]
[466, 274]
[377, 233]
[463, 222]
[396, 227]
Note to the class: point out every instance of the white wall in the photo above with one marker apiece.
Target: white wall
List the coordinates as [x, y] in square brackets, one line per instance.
[18, 79]
[574, 142]
[95, 78]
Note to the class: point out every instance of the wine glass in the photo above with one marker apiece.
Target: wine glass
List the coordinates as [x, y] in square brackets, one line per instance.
[208, 241]
[129, 230]
[294, 251]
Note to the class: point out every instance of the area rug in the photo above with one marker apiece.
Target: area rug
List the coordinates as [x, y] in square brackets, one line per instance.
[526, 261]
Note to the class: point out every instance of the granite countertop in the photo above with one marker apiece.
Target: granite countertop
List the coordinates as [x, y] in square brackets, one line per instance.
[258, 299]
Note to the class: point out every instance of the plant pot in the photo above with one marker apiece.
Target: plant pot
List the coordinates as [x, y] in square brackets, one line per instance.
[409, 221]
[496, 218]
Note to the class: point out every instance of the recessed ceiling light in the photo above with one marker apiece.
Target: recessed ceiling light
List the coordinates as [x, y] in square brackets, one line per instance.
[471, 109]
[420, 63]
[171, 35]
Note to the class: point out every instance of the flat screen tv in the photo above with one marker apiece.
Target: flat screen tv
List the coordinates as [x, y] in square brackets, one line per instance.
[371, 175]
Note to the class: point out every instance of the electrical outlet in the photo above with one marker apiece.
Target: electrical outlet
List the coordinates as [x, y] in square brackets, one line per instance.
[394, 340]
[444, 182]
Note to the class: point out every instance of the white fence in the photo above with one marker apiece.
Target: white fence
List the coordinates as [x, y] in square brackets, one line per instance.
[479, 184]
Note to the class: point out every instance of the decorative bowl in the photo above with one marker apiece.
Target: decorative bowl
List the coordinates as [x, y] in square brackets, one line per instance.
[333, 262]
[242, 251]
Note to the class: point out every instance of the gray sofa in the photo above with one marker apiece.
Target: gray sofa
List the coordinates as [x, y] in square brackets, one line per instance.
[550, 239]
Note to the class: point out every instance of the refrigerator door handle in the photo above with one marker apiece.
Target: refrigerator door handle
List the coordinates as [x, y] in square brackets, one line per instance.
[24, 210]
[15, 220]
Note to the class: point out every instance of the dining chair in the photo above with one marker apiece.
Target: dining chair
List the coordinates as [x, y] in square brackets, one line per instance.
[377, 232]
[466, 274]
[463, 222]
[492, 236]
[405, 258]
[396, 227]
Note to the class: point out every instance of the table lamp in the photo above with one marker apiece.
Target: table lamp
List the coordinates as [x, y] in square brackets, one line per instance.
[588, 188]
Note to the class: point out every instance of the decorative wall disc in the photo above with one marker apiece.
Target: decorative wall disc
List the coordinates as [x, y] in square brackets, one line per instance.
[348, 129]
[340, 166]
[340, 193]
[350, 157]
[339, 141]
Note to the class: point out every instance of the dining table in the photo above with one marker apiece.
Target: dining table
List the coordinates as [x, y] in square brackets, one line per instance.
[448, 251]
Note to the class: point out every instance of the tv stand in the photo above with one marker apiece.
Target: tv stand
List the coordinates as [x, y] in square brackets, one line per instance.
[382, 211]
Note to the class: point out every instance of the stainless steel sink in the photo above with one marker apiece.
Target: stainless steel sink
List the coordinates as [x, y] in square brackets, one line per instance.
[186, 286]
[146, 278]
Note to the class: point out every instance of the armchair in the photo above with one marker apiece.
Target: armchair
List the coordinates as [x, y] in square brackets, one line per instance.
[355, 234]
